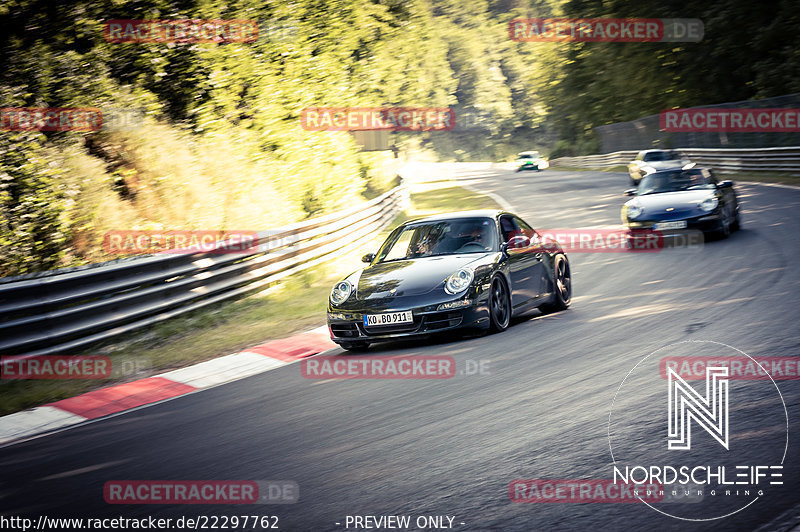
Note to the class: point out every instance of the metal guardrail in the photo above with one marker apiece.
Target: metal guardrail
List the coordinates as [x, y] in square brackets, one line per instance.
[62, 311]
[721, 159]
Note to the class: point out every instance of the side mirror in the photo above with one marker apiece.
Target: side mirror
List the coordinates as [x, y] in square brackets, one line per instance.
[725, 184]
[368, 258]
[631, 192]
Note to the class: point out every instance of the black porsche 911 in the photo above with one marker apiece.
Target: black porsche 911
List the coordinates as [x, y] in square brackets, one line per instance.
[471, 269]
[689, 198]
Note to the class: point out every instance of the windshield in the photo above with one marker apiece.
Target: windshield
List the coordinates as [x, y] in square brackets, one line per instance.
[445, 237]
[675, 181]
[531, 155]
[660, 156]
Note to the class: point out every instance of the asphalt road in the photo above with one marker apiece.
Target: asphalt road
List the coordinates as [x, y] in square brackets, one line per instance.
[451, 447]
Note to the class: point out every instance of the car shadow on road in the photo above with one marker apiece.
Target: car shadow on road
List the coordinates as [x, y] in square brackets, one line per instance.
[453, 338]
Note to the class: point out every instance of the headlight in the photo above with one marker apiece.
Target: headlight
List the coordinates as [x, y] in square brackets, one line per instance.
[634, 210]
[341, 291]
[458, 282]
[709, 204]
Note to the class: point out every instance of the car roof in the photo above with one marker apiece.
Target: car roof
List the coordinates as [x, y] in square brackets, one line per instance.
[477, 213]
[528, 152]
[656, 150]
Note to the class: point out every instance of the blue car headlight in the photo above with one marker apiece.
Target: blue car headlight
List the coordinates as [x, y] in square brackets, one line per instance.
[459, 281]
[709, 204]
[341, 291]
[634, 210]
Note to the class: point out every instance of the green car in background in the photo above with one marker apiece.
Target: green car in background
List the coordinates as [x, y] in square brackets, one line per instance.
[531, 160]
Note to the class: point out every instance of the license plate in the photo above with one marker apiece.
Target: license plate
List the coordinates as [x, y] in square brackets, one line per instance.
[388, 318]
[680, 224]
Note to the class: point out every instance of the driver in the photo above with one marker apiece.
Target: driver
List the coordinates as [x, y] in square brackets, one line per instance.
[424, 246]
[479, 235]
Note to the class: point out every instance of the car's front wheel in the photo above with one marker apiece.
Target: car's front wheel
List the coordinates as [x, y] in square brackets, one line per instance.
[726, 223]
[737, 222]
[562, 286]
[499, 305]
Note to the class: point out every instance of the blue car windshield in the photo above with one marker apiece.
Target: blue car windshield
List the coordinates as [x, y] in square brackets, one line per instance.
[441, 237]
[675, 181]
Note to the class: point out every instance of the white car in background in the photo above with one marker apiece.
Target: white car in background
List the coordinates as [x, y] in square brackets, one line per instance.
[649, 161]
[531, 160]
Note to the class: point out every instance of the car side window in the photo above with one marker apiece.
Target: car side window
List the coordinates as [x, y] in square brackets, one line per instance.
[526, 230]
[508, 228]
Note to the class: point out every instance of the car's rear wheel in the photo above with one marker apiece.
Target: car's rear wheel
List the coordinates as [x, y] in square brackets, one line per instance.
[499, 305]
[354, 346]
[562, 286]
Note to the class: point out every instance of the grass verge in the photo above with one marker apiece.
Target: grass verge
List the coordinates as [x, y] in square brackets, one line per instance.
[296, 305]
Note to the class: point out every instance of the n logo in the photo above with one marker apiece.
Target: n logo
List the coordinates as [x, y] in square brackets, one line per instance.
[685, 404]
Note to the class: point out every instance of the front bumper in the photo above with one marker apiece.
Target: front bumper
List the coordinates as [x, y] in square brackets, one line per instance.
[706, 223]
[427, 320]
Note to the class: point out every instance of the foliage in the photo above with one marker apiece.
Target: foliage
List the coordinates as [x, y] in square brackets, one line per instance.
[748, 51]
[220, 144]
[32, 204]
